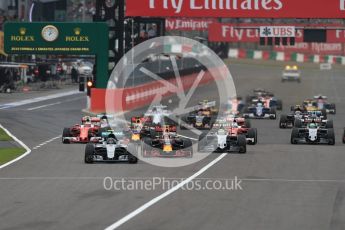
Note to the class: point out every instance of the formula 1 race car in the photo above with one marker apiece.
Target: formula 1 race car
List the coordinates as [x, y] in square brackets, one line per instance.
[165, 142]
[79, 133]
[238, 126]
[90, 120]
[312, 105]
[110, 149]
[201, 117]
[120, 130]
[291, 73]
[304, 121]
[313, 133]
[234, 106]
[140, 127]
[158, 114]
[288, 121]
[221, 140]
[322, 103]
[266, 98]
[105, 120]
[144, 126]
[260, 112]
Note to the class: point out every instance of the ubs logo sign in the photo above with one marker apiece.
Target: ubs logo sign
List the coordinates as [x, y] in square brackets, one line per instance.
[77, 36]
[22, 37]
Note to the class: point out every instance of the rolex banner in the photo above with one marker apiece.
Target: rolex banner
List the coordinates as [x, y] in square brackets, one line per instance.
[237, 8]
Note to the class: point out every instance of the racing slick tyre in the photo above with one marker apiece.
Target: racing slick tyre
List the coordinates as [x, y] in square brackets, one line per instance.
[329, 124]
[132, 150]
[242, 143]
[279, 105]
[273, 115]
[90, 134]
[66, 133]
[298, 123]
[294, 135]
[324, 113]
[89, 152]
[335, 109]
[188, 147]
[247, 123]
[331, 137]
[153, 133]
[253, 133]
[344, 137]
[146, 146]
[283, 121]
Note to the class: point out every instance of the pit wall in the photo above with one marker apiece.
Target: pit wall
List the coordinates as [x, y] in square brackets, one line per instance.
[284, 56]
[130, 98]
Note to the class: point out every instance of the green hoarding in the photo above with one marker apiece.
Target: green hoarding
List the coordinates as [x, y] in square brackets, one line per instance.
[61, 39]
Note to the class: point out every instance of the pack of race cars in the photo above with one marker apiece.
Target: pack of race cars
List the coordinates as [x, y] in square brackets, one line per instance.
[224, 129]
[309, 122]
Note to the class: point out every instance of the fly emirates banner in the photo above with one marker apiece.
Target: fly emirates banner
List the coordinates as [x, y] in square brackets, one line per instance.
[237, 8]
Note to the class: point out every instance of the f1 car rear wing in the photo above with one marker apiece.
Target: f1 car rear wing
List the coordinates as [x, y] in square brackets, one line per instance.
[204, 105]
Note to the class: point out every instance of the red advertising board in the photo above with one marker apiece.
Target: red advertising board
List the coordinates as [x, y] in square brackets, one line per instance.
[220, 32]
[335, 36]
[188, 24]
[237, 8]
[313, 48]
[246, 32]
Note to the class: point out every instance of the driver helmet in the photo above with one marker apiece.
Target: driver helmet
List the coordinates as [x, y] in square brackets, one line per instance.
[87, 119]
[111, 141]
[234, 124]
[312, 126]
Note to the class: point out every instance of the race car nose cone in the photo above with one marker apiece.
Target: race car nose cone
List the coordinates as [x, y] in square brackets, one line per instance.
[167, 148]
[135, 137]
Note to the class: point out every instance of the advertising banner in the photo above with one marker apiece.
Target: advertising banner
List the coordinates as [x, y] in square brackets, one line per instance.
[237, 8]
[244, 32]
[2, 43]
[188, 24]
[313, 48]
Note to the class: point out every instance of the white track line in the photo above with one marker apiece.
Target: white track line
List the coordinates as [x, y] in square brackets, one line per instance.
[46, 142]
[43, 106]
[28, 150]
[38, 99]
[56, 103]
[165, 194]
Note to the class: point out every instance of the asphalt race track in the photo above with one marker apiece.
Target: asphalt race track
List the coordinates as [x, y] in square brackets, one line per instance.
[284, 186]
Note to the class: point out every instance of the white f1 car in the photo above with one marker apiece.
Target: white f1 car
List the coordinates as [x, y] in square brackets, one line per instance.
[313, 133]
[221, 140]
[110, 149]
